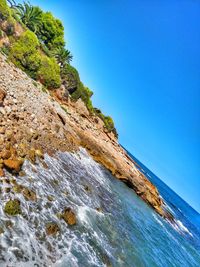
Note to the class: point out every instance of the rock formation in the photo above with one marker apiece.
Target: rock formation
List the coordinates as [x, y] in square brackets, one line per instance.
[34, 121]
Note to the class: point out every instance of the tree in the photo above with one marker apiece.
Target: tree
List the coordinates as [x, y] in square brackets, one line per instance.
[62, 56]
[12, 3]
[29, 15]
[4, 10]
[24, 53]
[51, 31]
[49, 73]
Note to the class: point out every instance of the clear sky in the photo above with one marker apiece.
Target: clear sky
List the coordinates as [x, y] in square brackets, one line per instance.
[142, 60]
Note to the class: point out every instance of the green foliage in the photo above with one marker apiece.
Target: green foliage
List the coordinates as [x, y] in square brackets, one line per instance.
[85, 94]
[62, 56]
[45, 59]
[45, 50]
[5, 14]
[4, 10]
[1, 34]
[24, 53]
[5, 50]
[12, 207]
[49, 73]
[70, 72]
[12, 3]
[108, 121]
[51, 31]
[70, 78]
[29, 15]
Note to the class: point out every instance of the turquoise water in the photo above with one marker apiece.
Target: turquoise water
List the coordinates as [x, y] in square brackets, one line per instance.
[114, 226]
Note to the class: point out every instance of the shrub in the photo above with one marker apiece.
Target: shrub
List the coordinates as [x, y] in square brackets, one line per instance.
[108, 121]
[5, 50]
[24, 53]
[84, 93]
[49, 72]
[51, 31]
[4, 10]
[10, 26]
[70, 78]
[29, 15]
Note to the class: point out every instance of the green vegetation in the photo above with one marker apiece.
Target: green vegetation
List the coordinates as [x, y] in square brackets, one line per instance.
[51, 31]
[12, 207]
[49, 72]
[108, 121]
[63, 56]
[85, 94]
[40, 52]
[24, 53]
[4, 10]
[29, 15]
[70, 78]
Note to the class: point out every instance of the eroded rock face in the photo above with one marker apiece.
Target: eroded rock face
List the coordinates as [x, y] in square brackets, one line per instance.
[32, 121]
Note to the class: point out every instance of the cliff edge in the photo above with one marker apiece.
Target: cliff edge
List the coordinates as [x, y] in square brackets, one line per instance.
[34, 121]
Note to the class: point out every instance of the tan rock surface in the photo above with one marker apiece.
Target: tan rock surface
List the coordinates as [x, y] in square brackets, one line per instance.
[34, 119]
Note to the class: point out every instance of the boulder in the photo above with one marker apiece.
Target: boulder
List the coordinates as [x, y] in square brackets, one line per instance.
[52, 228]
[81, 108]
[69, 216]
[13, 164]
[29, 194]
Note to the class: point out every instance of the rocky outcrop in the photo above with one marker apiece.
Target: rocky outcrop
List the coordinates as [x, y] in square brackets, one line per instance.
[33, 122]
[69, 216]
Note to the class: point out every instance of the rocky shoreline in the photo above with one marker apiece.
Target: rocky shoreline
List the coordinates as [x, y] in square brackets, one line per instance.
[34, 121]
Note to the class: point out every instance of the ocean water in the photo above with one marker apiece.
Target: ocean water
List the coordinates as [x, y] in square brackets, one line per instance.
[114, 226]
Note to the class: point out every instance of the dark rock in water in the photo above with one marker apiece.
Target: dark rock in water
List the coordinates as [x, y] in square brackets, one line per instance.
[50, 198]
[22, 173]
[99, 209]
[1, 230]
[52, 229]
[29, 194]
[7, 189]
[9, 224]
[87, 188]
[69, 216]
[12, 207]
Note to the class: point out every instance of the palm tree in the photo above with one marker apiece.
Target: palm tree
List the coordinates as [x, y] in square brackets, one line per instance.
[29, 15]
[12, 3]
[63, 56]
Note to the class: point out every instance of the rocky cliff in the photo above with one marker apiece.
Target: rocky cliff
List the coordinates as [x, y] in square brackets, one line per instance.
[34, 121]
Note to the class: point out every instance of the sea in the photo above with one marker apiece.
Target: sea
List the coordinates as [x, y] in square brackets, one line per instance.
[115, 228]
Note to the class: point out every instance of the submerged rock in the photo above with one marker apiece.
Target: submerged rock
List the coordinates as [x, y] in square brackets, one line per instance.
[29, 194]
[1, 230]
[52, 228]
[12, 207]
[69, 216]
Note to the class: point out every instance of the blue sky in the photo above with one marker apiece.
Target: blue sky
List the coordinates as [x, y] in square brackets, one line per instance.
[142, 60]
